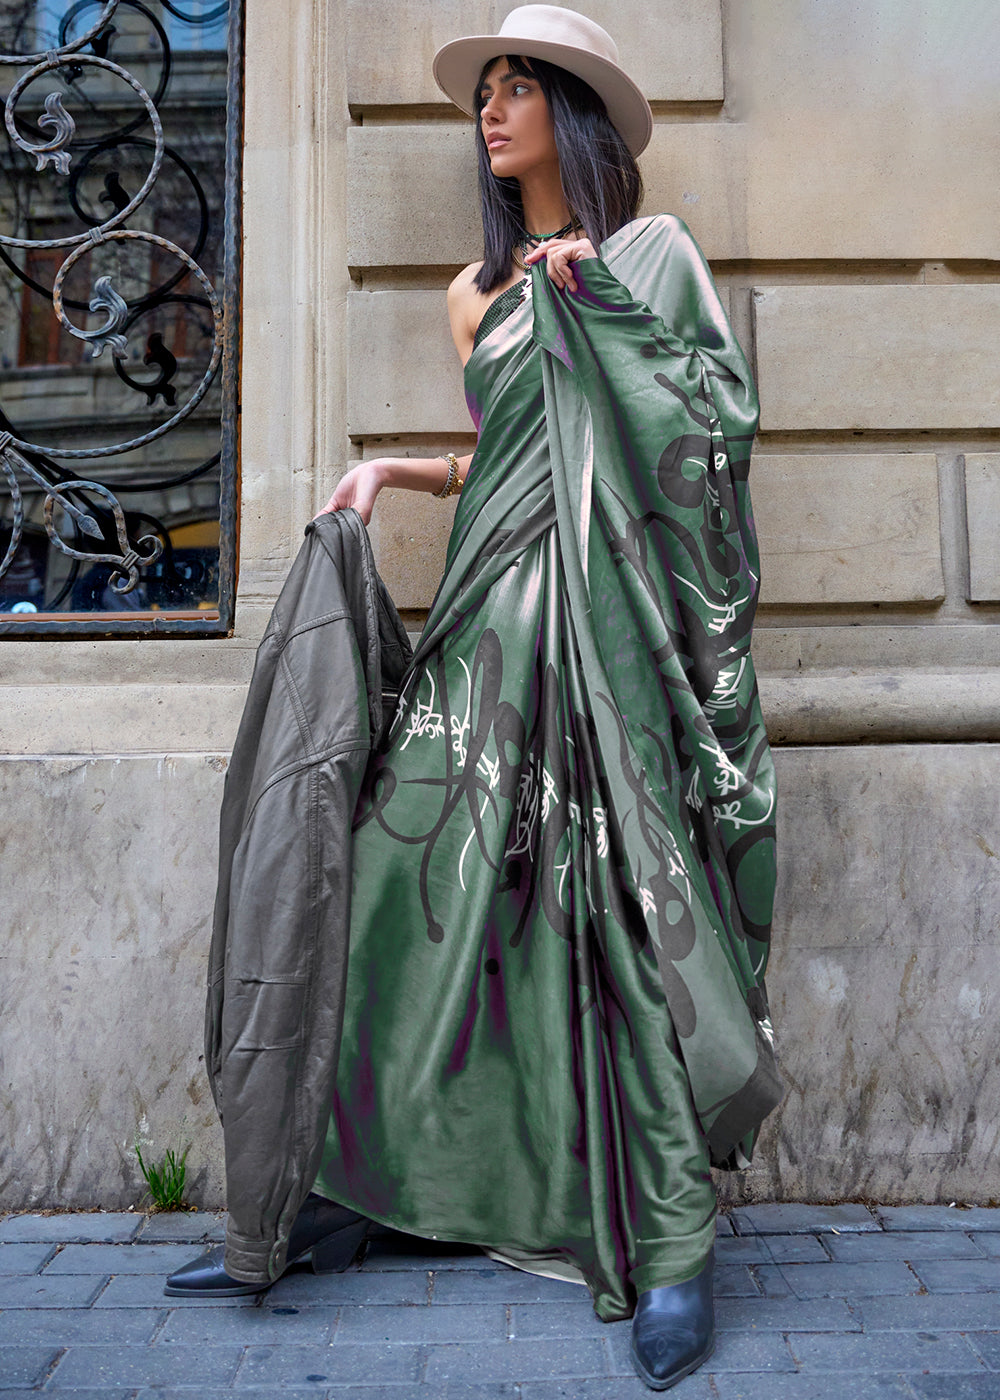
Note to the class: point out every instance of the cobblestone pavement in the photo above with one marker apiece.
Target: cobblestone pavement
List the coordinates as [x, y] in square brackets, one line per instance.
[814, 1303]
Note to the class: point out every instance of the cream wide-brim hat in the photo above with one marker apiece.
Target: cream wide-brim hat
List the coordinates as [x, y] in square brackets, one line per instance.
[560, 36]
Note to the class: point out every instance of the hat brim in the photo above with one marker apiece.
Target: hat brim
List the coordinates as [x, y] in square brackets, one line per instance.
[457, 67]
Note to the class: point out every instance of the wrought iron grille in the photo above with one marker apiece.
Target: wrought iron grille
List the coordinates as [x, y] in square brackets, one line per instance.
[119, 212]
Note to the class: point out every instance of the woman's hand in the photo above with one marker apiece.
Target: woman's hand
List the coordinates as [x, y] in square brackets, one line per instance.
[559, 253]
[358, 488]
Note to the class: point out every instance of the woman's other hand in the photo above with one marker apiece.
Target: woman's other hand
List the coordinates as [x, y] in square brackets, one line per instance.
[559, 254]
[358, 488]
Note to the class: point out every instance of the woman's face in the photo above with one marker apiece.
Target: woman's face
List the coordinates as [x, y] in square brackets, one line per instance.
[516, 122]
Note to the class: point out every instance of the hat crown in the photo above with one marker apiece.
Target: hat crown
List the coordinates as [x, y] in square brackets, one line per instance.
[553, 25]
[559, 36]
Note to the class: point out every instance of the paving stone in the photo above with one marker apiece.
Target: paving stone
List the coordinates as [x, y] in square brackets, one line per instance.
[696, 1387]
[304, 1289]
[815, 1387]
[27, 1365]
[885, 1351]
[785, 1315]
[23, 1258]
[501, 1390]
[734, 1281]
[61, 1327]
[842, 1280]
[370, 1334]
[470, 1322]
[797, 1219]
[929, 1312]
[772, 1282]
[734, 1351]
[903, 1244]
[955, 1387]
[108, 1228]
[748, 1249]
[86, 1393]
[938, 1218]
[987, 1346]
[183, 1226]
[41, 1291]
[248, 1326]
[959, 1275]
[161, 1259]
[723, 1226]
[146, 1291]
[310, 1392]
[516, 1361]
[156, 1366]
[502, 1285]
[458, 1390]
[528, 1320]
[800, 1249]
[751, 1351]
[369, 1365]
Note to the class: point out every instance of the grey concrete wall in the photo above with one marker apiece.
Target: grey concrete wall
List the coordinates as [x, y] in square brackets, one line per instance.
[883, 983]
[839, 166]
[108, 893]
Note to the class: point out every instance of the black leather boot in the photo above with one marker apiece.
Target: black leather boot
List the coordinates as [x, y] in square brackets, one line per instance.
[673, 1331]
[331, 1233]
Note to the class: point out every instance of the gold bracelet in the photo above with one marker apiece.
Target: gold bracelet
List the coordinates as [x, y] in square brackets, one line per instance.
[453, 482]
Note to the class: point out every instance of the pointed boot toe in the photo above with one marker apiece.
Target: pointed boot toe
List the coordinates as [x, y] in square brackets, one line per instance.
[673, 1331]
[205, 1277]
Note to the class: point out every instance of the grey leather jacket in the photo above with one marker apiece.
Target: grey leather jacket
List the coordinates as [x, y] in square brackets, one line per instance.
[325, 681]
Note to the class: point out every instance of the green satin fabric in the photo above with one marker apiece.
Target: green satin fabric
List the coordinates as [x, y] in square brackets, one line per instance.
[563, 860]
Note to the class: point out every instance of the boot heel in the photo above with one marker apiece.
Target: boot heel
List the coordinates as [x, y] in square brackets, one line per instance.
[332, 1255]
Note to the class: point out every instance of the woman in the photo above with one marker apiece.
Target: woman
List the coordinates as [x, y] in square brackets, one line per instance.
[563, 858]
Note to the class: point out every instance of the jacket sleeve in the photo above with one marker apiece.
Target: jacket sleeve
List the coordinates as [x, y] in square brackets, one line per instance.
[232, 820]
[282, 916]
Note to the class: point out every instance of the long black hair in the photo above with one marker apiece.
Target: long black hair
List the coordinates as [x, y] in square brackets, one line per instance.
[600, 179]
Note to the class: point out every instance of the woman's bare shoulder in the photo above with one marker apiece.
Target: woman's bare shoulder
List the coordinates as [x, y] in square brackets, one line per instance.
[463, 300]
[462, 290]
[464, 285]
[466, 305]
[467, 274]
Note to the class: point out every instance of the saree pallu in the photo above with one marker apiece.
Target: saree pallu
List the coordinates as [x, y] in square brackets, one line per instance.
[563, 866]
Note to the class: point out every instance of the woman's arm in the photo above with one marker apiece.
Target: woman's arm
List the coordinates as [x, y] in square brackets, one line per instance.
[360, 486]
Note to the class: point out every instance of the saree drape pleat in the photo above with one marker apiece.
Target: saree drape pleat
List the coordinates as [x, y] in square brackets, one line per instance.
[563, 868]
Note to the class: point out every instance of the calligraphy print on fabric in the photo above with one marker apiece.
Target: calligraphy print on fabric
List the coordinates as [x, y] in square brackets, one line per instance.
[564, 854]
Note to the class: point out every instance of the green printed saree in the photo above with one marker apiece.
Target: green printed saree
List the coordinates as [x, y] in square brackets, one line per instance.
[564, 854]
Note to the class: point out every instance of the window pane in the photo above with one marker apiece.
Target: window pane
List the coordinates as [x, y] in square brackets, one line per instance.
[197, 24]
[117, 302]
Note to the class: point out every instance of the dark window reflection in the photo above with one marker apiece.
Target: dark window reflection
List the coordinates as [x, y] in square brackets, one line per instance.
[150, 297]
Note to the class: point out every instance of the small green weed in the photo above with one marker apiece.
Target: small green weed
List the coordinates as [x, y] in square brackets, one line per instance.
[166, 1181]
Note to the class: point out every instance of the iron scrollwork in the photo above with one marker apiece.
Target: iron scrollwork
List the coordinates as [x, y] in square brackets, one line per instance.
[79, 510]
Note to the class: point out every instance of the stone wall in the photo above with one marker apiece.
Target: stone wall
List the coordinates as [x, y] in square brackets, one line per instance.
[838, 165]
